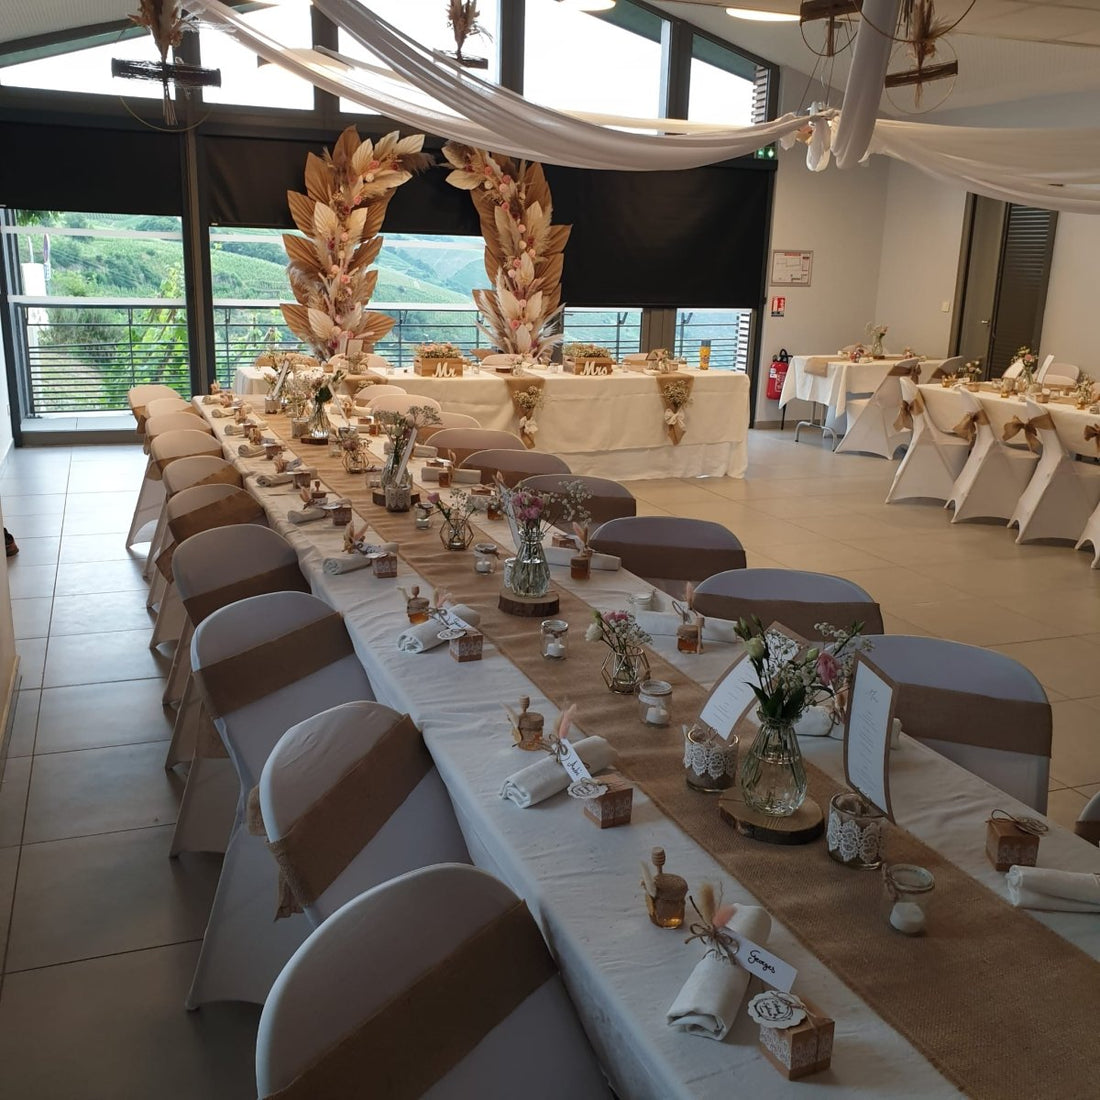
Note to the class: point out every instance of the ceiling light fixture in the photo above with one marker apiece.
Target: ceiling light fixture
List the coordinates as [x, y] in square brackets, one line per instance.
[762, 16]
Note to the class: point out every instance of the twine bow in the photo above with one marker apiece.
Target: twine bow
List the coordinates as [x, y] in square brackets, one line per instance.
[1032, 825]
[710, 929]
[905, 413]
[967, 428]
[676, 418]
[1092, 431]
[1031, 433]
[527, 425]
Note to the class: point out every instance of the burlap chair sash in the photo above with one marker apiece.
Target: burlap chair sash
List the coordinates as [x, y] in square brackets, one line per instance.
[817, 365]
[944, 714]
[227, 475]
[1030, 428]
[317, 848]
[674, 563]
[283, 578]
[1092, 431]
[900, 370]
[239, 508]
[801, 616]
[419, 1036]
[967, 428]
[516, 386]
[905, 413]
[245, 677]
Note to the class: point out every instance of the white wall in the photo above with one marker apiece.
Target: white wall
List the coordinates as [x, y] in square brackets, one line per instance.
[1069, 324]
[918, 268]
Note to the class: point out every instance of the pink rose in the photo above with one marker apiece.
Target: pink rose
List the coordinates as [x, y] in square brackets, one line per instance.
[433, 498]
[827, 669]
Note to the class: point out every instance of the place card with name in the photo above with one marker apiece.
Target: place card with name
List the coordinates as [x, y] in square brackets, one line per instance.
[761, 963]
[871, 706]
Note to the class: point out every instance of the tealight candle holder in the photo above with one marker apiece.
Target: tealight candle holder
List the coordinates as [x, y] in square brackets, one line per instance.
[555, 639]
[655, 702]
[855, 833]
[908, 887]
[710, 762]
[484, 564]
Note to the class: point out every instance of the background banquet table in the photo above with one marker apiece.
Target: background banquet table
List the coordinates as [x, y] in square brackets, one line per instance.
[841, 378]
[582, 883]
[610, 425]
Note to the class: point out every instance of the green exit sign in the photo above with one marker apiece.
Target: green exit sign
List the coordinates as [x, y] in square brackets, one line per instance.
[767, 153]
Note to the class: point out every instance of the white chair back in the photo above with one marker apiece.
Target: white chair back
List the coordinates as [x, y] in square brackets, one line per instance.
[949, 366]
[176, 422]
[608, 500]
[381, 943]
[976, 706]
[458, 420]
[186, 472]
[316, 755]
[401, 402]
[1058, 374]
[669, 551]
[139, 397]
[796, 599]
[163, 406]
[170, 446]
[467, 441]
[1088, 821]
[512, 465]
[1014, 369]
[369, 393]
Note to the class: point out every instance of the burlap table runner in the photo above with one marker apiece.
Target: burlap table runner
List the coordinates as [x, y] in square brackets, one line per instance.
[521, 384]
[976, 995]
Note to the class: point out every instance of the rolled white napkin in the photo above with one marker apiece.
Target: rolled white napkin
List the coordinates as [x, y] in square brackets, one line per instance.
[1046, 888]
[305, 515]
[249, 450]
[349, 563]
[240, 429]
[219, 412]
[458, 477]
[711, 997]
[544, 779]
[667, 622]
[267, 481]
[425, 636]
[211, 399]
[561, 555]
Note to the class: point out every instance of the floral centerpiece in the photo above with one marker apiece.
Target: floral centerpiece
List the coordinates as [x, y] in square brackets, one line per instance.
[1029, 364]
[456, 533]
[789, 680]
[322, 389]
[527, 401]
[1083, 391]
[531, 514]
[582, 352]
[437, 349]
[675, 396]
[877, 333]
[399, 428]
[626, 665]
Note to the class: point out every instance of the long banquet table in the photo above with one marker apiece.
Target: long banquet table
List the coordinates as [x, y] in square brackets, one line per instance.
[840, 377]
[582, 883]
[610, 425]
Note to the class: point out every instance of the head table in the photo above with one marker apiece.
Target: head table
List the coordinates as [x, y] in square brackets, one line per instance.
[583, 883]
[608, 425]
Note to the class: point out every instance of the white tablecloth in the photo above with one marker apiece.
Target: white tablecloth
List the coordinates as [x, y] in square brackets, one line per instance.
[608, 426]
[582, 883]
[841, 378]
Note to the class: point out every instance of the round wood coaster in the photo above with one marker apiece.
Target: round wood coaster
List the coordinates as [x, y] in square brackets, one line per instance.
[803, 826]
[541, 608]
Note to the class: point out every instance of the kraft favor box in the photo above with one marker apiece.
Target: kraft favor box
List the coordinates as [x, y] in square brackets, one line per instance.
[1007, 844]
[468, 646]
[803, 1049]
[615, 805]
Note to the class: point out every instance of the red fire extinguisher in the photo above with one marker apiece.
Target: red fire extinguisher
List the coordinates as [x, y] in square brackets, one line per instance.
[777, 374]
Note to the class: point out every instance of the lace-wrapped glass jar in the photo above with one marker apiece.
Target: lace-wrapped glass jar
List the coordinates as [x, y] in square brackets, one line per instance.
[855, 832]
[710, 762]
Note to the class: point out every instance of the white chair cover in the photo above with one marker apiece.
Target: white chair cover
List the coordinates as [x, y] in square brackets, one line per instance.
[307, 762]
[1058, 374]
[934, 458]
[1088, 821]
[243, 949]
[401, 402]
[208, 567]
[794, 598]
[175, 422]
[369, 393]
[138, 398]
[375, 948]
[871, 420]
[162, 406]
[669, 551]
[995, 475]
[981, 683]
[1062, 493]
[512, 465]
[467, 441]
[608, 500]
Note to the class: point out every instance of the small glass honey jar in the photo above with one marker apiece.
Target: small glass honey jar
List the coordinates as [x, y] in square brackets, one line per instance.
[416, 606]
[664, 893]
[689, 637]
[580, 566]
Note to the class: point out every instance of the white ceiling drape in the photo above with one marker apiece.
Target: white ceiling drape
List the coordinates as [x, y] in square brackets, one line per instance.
[1054, 168]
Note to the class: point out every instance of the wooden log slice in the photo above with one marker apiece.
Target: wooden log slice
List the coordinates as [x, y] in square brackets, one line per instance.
[544, 607]
[806, 824]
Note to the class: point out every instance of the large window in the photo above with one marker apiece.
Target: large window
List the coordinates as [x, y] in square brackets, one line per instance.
[727, 330]
[88, 70]
[722, 85]
[608, 62]
[100, 307]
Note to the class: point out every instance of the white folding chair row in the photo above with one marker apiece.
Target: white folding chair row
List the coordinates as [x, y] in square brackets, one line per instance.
[934, 459]
[872, 421]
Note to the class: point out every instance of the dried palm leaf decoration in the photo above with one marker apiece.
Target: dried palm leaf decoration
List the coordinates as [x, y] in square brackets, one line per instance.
[523, 250]
[166, 21]
[462, 18]
[921, 31]
[347, 192]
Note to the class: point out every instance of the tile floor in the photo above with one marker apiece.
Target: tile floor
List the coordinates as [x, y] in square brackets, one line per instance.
[99, 931]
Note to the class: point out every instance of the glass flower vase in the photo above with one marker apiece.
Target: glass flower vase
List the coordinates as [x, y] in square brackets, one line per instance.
[877, 351]
[773, 776]
[456, 533]
[530, 573]
[624, 670]
[318, 425]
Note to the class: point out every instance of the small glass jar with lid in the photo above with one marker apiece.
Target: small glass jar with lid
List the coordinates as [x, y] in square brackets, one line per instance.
[555, 639]
[908, 887]
[655, 702]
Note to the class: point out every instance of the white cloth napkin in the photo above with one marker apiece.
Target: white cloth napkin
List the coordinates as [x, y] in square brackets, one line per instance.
[267, 481]
[1046, 888]
[667, 622]
[238, 429]
[221, 411]
[348, 563]
[561, 555]
[425, 636]
[544, 779]
[711, 997]
[211, 398]
[305, 515]
[247, 450]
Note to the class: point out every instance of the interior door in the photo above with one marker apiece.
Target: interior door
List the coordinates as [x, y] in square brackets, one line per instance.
[1007, 269]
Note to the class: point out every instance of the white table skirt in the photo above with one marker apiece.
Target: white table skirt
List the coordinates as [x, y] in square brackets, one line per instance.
[582, 883]
[840, 379]
[611, 426]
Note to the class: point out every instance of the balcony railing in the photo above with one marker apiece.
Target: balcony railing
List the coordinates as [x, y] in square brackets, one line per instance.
[83, 354]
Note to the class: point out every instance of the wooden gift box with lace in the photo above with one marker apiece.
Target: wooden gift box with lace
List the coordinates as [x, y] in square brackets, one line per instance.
[803, 1049]
[468, 647]
[615, 805]
[1007, 844]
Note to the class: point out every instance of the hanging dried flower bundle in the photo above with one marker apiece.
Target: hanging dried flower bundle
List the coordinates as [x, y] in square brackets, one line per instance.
[347, 192]
[921, 30]
[462, 18]
[523, 251]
